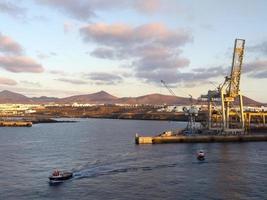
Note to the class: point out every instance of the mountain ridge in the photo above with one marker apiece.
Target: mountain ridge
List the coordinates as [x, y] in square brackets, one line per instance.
[7, 96]
[103, 97]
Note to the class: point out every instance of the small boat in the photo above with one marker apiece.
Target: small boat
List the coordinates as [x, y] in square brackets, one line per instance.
[59, 176]
[201, 155]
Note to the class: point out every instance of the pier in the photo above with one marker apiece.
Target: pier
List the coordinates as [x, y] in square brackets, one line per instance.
[199, 138]
[15, 124]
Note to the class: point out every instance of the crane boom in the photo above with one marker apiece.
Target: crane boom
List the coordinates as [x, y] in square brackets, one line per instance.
[233, 89]
[170, 90]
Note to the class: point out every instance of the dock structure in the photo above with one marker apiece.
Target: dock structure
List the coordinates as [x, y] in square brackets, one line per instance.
[199, 139]
[15, 124]
[258, 117]
[226, 120]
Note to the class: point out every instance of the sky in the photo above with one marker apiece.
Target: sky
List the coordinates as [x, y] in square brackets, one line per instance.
[126, 47]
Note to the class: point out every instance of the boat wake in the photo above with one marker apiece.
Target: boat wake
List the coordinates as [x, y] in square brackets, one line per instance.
[112, 170]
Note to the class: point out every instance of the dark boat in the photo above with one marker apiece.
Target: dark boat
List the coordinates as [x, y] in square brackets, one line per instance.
[59, 176]
[201, 155]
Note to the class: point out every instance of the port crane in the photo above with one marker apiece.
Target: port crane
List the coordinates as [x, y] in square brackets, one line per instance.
[226, 95]
[168, 88]
[171, 91]
[192, 112]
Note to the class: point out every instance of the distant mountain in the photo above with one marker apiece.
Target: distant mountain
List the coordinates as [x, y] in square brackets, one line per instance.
[12, 97]
[103, 97]
[44, 99]
[95, 98]
[154, 99]
[250, 102]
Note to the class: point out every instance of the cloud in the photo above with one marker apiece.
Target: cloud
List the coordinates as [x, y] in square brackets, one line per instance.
[155, 76]
[200, 76]
[12, 58]
[151, 50]
[260, 75]
[255, 66]
[58, 72]
[206, 73]
[30, 83]
[121, 34]
[85, 10]
[103, 78]
[106, 53]
[11, 9]
[8, 45]
[72, 81]
[259, 48]
[18, 64]
[148, 6]
[7, 81]
[189, 79]
[42, 55]
[256, 69]
[81, 10]
[67, 27]
[113, 35]
[40, 18]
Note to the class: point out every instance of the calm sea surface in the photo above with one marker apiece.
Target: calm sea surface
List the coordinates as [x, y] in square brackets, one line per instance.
[108, 165]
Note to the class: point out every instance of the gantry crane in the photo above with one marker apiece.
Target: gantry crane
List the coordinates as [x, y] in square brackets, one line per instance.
[230, 89]
[227, 94]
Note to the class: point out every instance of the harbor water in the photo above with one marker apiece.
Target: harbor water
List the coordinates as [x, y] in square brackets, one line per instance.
[108, 165]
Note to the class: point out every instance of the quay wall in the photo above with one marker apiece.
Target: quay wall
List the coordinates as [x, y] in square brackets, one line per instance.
[200, 139]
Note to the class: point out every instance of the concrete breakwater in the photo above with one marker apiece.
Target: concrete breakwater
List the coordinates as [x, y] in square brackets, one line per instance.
[199, 138]
[28, 122]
